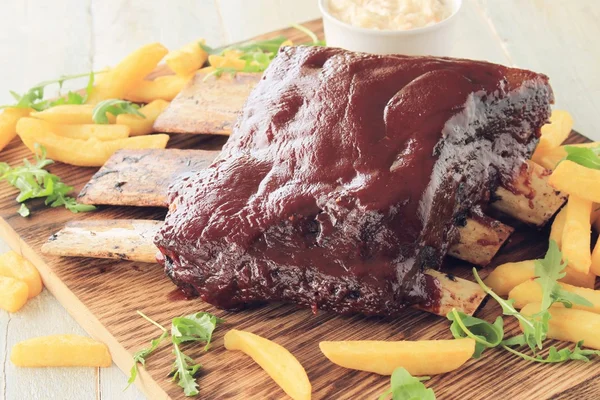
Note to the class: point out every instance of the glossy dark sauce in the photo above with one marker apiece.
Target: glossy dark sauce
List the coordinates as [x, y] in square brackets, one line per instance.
[346, 177]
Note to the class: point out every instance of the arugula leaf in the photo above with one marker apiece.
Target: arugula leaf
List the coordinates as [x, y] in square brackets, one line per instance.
[557, 356]
[34, 181]
[140, 356]
[486, 335]
[406, 387]
[114, 107]
[184, 372]
[197, 327]
[34, 97]
[587, 156]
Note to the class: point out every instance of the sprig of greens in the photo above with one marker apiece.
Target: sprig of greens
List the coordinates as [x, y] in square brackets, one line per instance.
[404, 386]
[535, 328]
[34, 97]
[589, 157]
[197, 327]
[114, 107]
[34, 181]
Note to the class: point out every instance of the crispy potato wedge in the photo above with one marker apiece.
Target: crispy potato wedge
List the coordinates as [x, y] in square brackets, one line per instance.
[13, 294]
[576, 235]
[570, 325]
[91, 152]
[279, 363]
[15, 266]
[8, 124]
[507, 276]
[554, 133]
[558, 226]
[550, 158]
[60, 351]
[422, 357]
[188, 59]
[143, 126]
[164, 87]
[70, 114]
[226, 62]
[82, 132]
[530, 291]
[576, 180]
[129, 73]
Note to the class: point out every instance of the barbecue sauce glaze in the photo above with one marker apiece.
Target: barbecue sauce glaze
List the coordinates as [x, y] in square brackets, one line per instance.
[346, 177]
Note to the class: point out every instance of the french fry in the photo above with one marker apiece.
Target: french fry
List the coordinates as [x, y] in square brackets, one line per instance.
[82, 132]
[60, 351]
[558, 226]
[549, 159]
[139, 125]
[554, 133]
[188, 59]
[530, 291]
[576, 235]
[275, 360]
[506, 277]
[15, 266]
[226, 62]
[577, 180]
[91, 152]
[164, 87]
[130, 72]
[70, 114]
[8, 124]
[421, 357]
[13, 294]
[570, 325]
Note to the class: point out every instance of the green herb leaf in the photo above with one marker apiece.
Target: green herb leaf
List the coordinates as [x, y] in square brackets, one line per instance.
[197, 327]
[140, 356]
[589, 157]
[486, 335]
[114, 107]
[406, 387]
[184, 371]
[557, 356]
[34, 181]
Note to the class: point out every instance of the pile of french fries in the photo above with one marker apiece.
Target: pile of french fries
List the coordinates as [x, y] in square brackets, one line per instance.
[571, 230]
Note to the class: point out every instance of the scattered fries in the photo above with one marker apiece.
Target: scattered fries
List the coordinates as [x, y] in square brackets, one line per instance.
[8, 124]
[226, 62]
[551, 158]
[13, 294]
[164, 87]
[188, 59]
[13, 265]
[530, 291]
[577, 180]
[69, 114]
[576, 235]
[553, 134]
[82, 132]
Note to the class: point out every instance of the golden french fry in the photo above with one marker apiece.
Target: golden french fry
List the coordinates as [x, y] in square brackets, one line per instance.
[164, 87]
[188, 59]
[8, 124]
[91, 152]
[13, 294]
[576, 235]
[577, 180]
[279, 363]
[530, 291]
[207, 70]
[558, 226]
[421, 357]
[143, 126]
[507, 276]
[570, 325]
[129, 73]
[83, 132]
[13, 265]
[550, 158]
[226, 62]
[232, 53]
[70, 114]
[554, 133]
[60, 351]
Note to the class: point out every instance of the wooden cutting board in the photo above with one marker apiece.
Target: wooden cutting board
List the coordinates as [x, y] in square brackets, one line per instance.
[103, 296]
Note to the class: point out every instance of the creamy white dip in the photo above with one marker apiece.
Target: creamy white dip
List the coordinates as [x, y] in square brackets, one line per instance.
[390, 14]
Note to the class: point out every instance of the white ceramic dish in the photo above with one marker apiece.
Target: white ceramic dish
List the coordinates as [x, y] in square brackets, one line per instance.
[434, 40]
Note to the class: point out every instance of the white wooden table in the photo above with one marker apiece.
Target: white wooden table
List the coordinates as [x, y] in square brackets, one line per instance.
[44, 39]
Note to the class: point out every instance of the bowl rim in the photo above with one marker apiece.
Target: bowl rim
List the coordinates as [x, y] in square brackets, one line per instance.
[389, 32]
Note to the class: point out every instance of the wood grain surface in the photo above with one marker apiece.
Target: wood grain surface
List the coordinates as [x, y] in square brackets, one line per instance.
[103, 296]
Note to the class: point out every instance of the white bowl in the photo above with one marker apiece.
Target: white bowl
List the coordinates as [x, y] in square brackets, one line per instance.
[433, 40]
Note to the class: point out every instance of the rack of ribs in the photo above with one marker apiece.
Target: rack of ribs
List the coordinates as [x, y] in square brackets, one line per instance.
[346, 176]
